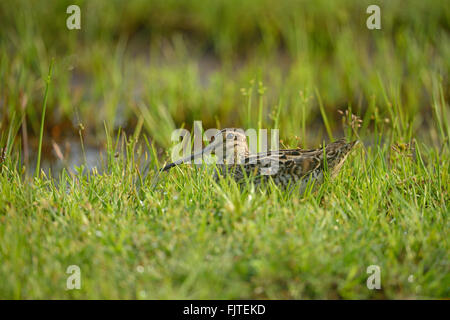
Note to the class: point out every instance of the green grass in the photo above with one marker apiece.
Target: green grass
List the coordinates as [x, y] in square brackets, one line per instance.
[44, 107]
[198, 239]
[138, 70]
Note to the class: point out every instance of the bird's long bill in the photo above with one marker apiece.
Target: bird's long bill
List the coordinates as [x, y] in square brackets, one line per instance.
[194, 156]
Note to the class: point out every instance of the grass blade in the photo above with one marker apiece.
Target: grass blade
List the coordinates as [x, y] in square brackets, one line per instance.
[44, 107]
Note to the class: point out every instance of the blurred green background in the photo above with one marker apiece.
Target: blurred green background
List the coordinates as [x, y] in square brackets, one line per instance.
[243, 63]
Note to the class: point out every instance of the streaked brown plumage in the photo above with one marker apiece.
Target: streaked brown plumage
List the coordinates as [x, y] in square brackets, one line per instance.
[287, 167]
[2, 154]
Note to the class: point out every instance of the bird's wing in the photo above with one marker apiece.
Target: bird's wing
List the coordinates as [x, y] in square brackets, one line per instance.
[283, 162]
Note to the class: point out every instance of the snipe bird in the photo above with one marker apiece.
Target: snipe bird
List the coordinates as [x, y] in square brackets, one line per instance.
[287, 167]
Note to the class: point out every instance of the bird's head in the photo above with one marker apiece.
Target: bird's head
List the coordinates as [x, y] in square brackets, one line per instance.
[229, 145]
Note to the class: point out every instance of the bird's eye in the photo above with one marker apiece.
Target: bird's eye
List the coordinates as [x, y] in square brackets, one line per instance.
[230, 136]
